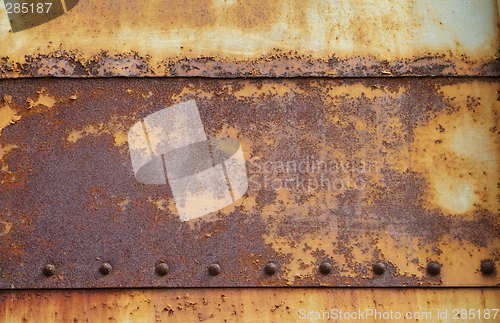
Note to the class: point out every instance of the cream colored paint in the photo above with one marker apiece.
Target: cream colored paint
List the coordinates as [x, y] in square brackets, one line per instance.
[4, 19]
[461, 162]
[243, 305]
[7, 116]
[388, 29]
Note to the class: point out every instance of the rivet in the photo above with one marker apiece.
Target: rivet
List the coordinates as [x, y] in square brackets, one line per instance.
[487, 267]
[433, 268]
[105, 268]
[49, 270]
[325, 268]
[379, 268]
[270, 268]
[161, 269]
[214, 269]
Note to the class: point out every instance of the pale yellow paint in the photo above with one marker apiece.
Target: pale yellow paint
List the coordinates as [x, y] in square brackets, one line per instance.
[229, 30]
[404, 259]
[76, 135]
[467, 257]
[7, 116]
[240, 304]
[266, 90]
[114, 128]
[43, 99]
[4, 19]
[458, 152]
[121, 137]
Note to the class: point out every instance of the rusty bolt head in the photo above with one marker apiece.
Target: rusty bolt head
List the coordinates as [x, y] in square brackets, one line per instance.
[161, 269]
[270, 268]
[49, 270]
[105, 268]
[214, 269]
[325, 268]
[433, 268]
[487, 267]
[379, 268]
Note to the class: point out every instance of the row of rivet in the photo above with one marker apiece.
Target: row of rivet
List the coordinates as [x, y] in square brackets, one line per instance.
[433, 268]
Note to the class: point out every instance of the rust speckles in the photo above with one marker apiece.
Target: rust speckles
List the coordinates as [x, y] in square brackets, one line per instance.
[457, 152]
[250, 15]
[194, 15]
[260, 38]
[122, 67]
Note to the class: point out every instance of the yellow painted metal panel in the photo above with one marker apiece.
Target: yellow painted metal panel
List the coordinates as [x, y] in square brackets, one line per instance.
[244, 38]
[252, 305]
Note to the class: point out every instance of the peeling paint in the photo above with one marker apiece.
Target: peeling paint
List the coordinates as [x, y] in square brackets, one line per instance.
[283, 38]
[8, 116]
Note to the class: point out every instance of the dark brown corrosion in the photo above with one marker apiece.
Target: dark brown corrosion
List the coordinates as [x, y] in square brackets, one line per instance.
[399, 171]
[290, 64]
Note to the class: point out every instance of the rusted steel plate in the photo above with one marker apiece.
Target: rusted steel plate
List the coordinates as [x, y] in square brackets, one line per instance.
[251, 305]
[229, 38]
[350, 172]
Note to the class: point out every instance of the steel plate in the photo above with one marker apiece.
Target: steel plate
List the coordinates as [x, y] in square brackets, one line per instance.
[398, 171]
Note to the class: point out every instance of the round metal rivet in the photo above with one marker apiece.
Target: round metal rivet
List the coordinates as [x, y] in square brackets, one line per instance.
[105, 268]
[214, 269]
[487, 267]
[379, 268]
[433, 268]
[325, 268]
[49, 270]
[161, 269]
[270, 268]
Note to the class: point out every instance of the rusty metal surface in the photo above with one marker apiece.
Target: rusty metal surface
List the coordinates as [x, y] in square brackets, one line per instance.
[251, 305]
[412, 177]
[215, 38]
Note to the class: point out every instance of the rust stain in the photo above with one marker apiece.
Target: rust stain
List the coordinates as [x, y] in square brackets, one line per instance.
[257, 38]
[459, 150]
[243, 305]
[337, 172]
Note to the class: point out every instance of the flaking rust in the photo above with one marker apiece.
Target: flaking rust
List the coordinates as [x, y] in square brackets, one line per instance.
[348, 172]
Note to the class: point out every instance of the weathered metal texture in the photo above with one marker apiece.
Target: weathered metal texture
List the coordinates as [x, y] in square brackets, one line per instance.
[252, 305]
[230, 38]
[351, 172]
